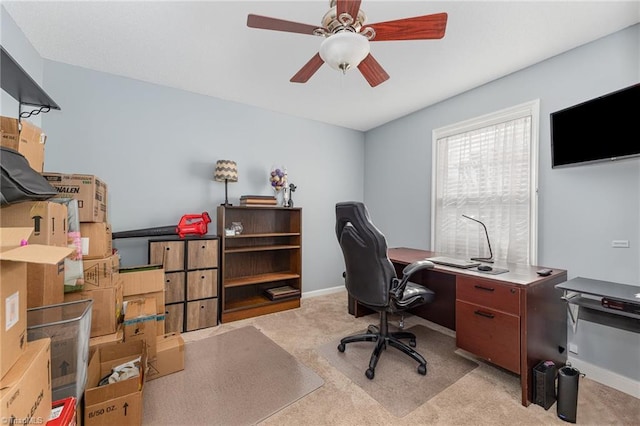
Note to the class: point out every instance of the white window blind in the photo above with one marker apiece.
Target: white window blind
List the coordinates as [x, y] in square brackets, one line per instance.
[486, 169]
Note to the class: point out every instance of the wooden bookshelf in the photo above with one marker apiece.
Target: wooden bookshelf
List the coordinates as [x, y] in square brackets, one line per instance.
[267, 254]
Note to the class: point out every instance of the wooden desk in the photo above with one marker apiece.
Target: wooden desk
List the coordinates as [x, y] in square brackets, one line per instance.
[514, 320]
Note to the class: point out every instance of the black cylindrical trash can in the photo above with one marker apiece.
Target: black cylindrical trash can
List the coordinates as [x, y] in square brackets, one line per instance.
[568, 393]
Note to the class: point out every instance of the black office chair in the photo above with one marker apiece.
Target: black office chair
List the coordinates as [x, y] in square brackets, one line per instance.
[371, 279]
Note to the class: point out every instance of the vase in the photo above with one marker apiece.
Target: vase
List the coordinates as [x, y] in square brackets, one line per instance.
[237, 227]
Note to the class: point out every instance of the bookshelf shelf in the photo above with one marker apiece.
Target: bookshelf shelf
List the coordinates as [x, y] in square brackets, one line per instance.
[262, 248]
[263, 235]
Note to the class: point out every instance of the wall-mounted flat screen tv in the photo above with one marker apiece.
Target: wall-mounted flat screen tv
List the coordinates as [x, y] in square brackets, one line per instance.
[601, 129]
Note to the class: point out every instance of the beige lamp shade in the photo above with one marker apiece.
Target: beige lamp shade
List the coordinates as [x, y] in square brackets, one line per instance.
[226, 170]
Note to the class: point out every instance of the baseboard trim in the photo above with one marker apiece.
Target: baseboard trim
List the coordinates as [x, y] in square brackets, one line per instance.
[316, 293]
[606, 377]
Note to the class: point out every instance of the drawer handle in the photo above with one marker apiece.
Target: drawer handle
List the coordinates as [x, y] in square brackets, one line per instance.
[202, 277]
[484, 314]
[479, 287]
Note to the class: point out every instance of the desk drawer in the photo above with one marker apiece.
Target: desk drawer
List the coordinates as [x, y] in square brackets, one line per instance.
[488, 293]
[489, 334]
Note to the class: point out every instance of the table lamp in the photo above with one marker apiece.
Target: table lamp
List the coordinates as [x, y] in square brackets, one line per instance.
[226, 171]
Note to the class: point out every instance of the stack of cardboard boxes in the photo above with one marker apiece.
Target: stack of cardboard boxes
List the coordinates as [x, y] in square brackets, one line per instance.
[48, 219]
[25, 367]
[35, 242]
[101, 280]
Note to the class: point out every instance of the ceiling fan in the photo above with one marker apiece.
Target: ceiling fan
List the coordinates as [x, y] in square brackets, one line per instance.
[347, 36]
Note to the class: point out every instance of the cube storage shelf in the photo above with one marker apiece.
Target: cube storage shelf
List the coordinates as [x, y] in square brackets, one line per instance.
[267, 254]
[191, 280]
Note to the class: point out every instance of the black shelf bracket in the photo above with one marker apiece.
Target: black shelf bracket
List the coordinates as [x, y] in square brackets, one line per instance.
[16, 82]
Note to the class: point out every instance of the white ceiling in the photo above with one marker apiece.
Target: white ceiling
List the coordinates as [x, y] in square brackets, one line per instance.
[205, 47]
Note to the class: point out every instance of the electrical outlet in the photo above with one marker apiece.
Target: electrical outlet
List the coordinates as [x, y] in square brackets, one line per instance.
[573, 348]
[620, 243]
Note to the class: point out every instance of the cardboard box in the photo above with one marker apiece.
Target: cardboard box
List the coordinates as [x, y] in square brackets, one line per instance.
[48, 220]
[145, 281]
[96, 240]
[169, 356]
[25, 391]
[98, 341]
[117, 403]
[142, 279]
[140, 323]
[63, 412]
[106, 310]
[159, 298]
[160, 324]
[14, 259]
[13, 314]
[45, 284]
[29, 141]
[89, 190]
[101, 272]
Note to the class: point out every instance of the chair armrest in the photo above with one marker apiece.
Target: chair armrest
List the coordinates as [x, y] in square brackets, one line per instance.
[417, 266]
[398, 285]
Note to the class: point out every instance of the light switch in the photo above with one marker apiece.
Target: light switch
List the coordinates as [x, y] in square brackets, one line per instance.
[620, 243]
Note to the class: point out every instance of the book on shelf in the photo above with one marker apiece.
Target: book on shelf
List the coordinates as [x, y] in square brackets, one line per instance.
[252, 201]
[258, 200]
[257, 197]
[282, 292]
[257, 205]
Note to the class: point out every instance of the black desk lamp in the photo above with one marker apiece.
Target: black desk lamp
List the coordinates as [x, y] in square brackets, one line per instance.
[226, 171]
[482, 259]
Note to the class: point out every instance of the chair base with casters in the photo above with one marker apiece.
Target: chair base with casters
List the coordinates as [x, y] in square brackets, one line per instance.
[383, 338]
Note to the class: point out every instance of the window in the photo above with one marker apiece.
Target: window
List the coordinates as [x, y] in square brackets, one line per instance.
[486, 168]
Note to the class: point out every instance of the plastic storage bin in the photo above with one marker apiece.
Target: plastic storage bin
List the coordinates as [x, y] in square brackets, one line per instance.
[69, 327]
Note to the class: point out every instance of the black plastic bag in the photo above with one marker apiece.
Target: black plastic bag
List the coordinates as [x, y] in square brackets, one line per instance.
[19, 182]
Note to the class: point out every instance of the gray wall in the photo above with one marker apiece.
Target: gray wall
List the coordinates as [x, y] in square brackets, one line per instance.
[13, 41]
[581, 209]
[156, 148]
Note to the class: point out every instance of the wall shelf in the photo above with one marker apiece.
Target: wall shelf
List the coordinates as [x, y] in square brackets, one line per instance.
[16, 82]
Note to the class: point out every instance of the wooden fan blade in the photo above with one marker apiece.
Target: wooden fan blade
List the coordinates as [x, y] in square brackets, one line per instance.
[372, 71]
[308, 70]
[266, 23]
[348, 6]
[417, 28]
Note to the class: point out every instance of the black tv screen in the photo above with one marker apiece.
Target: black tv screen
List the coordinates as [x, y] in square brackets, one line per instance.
[601, 129]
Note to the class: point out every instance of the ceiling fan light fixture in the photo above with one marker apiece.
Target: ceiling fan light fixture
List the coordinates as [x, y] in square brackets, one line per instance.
[344, 50]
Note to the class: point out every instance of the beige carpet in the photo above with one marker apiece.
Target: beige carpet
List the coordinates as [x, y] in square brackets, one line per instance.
[486, 396]
[397, 384]
[236, 378]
